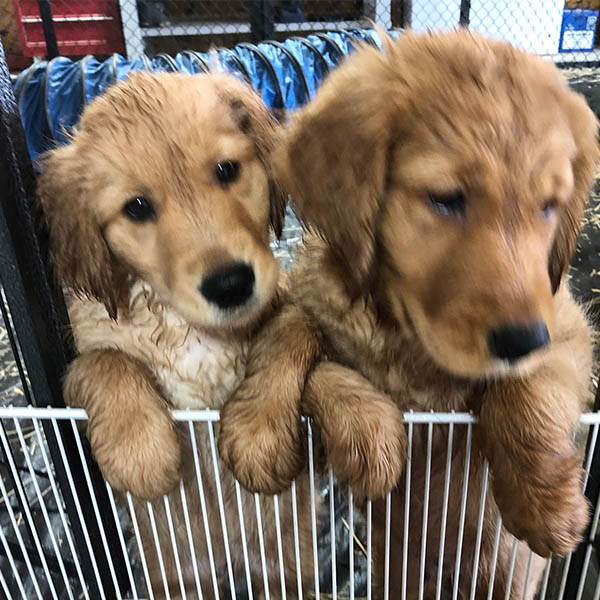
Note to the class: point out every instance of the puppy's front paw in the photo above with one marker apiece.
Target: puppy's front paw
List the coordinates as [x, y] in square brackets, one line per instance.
[367, 449]
[551, 516]
[142, 456]
[264, 451]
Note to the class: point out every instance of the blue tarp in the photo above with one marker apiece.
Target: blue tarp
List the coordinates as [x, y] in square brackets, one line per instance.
[52, 95]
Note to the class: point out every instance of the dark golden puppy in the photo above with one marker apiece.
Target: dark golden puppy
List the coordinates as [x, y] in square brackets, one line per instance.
[445, 178]
[159, 214]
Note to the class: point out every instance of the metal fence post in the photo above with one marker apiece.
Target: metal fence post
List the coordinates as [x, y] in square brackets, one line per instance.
[262, 17]
[40, 321]
[48, 27]
[465, 13]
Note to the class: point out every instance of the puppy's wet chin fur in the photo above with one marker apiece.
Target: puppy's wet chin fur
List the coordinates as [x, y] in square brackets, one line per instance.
[456, 188]
[161, 138]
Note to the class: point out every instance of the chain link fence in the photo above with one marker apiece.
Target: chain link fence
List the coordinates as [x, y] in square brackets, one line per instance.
[566, 31]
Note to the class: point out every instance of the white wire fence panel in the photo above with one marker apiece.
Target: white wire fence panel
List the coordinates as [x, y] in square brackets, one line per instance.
[438, 535]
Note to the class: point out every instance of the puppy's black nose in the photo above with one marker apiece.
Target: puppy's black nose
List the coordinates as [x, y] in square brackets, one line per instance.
[511, 342]
[229, 286]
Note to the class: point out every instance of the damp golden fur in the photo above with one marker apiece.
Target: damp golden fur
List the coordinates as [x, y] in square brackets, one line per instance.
[444, 181]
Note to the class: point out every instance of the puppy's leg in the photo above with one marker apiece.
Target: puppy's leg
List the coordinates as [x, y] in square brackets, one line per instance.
[361, 429]
[537, 475]
[132, 436]
[261, 438]
[526, 431]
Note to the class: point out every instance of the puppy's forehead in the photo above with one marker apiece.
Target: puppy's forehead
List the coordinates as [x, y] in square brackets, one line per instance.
[474, 85]
[170, 104]
[152, 126]
[509, 118]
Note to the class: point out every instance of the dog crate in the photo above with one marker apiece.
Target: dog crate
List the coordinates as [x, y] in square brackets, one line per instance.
[64, 533]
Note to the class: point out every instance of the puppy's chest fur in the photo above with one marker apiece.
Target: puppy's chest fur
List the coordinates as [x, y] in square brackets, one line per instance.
[391, 365]
[193, 368]
[351, 334]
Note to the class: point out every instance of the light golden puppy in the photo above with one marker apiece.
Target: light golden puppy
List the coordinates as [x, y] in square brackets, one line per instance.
[159, 214]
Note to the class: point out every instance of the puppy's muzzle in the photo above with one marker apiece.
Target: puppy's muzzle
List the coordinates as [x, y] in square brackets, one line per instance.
[514, 341]
[229, 286]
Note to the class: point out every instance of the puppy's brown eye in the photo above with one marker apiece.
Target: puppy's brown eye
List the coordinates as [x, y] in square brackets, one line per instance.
[548, 208]
[227, 171]
[139, 209]
[449, 205]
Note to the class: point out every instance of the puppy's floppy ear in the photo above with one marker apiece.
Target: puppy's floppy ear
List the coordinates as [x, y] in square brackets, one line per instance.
[584, 128]
[334, 160]
[255, 121]
[81, 258]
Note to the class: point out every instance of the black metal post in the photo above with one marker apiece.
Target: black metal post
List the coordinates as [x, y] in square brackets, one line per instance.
[465, 13]
[262, 17]
[592, 492]
[407, 14]
[48, 27]
[41, 325]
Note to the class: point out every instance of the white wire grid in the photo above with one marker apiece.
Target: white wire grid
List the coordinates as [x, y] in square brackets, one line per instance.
[343, 566]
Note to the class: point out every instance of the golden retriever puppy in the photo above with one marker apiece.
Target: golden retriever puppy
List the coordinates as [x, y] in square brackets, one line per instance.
[159, 214]
[444, 179]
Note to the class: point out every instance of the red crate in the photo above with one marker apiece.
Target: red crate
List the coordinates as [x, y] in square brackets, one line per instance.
[81, 26]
